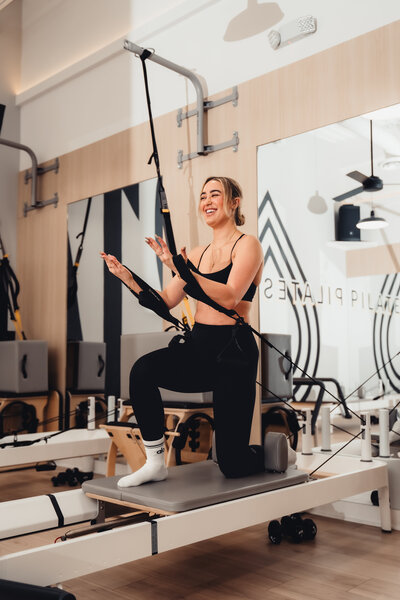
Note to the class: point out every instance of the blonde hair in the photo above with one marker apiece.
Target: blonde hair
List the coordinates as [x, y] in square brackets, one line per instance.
[232, 190]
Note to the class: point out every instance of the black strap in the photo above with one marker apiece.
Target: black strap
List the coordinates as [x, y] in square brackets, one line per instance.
[161, 191]
[82, 235]
[150, 298]
[202, 254]
[194, 289]
[57, 509]
[10, 286]
[239, 238]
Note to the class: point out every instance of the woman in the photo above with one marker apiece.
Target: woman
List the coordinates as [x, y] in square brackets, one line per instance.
[218, 354]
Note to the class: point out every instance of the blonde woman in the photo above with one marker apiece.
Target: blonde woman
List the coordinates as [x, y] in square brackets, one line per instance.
[218, 355]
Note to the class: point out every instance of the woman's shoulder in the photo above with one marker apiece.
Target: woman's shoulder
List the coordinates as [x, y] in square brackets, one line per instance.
[248, 242]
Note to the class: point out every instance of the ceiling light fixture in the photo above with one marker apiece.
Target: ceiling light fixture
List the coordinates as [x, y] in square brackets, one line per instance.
[391, 163]
[372, 222]
[293, 31]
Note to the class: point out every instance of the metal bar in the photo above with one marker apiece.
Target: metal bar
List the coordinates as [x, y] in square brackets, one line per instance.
[11, 144]
[208, 149]
[41, 170]
[233, 97]
[53, 200]
[138, 50]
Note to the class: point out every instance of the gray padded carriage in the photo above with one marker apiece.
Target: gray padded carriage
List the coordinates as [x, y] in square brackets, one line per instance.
[135, 345]
[193, 486]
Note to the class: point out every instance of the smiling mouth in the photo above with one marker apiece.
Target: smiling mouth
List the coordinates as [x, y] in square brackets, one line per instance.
[210, 211]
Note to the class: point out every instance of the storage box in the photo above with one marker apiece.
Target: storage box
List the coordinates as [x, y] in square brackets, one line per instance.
[135, 345]
[23, 367]
[86, 366]
[276, 370]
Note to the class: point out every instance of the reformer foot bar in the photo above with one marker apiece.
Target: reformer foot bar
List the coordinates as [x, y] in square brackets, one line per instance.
[237, 503]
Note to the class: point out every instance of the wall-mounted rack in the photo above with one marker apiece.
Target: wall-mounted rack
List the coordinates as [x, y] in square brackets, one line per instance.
[36, 171]
[201, 105]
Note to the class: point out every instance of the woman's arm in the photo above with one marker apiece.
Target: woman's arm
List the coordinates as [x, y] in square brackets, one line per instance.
[246, 263]
[173, 293]
[115, 267]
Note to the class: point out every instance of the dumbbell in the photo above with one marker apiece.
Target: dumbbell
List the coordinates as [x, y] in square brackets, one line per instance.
[292, 527]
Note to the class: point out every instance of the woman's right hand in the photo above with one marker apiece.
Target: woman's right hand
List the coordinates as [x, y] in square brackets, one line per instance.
[115, 267]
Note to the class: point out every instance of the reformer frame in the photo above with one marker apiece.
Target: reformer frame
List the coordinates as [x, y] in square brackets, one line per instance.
[55, 563]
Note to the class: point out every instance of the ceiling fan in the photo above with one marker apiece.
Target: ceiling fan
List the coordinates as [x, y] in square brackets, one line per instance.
[370, 183]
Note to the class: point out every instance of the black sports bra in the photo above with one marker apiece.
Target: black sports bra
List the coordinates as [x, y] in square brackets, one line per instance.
[222, 275]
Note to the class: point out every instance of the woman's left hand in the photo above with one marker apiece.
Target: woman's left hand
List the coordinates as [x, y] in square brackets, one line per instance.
[161, 249]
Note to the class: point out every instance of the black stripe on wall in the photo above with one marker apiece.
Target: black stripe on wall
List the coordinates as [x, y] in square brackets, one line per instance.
[112, 324]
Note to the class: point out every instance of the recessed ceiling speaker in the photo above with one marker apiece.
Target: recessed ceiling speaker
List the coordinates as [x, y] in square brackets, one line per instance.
[349, 216]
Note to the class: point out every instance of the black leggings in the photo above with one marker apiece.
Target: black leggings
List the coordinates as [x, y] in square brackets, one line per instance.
[218, 358]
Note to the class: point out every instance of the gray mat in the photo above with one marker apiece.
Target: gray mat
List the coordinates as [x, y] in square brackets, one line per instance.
[193, 486]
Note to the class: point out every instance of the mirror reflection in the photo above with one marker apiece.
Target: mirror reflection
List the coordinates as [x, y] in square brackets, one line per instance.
[330, 285]
[100, 309]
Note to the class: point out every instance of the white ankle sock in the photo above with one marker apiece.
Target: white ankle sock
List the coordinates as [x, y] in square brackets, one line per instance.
[154, 468]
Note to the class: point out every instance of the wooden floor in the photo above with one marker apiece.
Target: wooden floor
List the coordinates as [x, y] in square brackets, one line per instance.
[345, 561]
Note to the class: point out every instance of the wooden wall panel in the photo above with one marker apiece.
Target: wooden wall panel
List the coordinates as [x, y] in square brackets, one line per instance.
[355, 77]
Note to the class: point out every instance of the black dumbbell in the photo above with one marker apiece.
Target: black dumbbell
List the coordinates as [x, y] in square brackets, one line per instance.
[292, 528]
[275, 532]
[310, 529]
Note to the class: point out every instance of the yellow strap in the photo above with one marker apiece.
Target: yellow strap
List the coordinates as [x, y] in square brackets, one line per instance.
[17, 329]
[188, 310]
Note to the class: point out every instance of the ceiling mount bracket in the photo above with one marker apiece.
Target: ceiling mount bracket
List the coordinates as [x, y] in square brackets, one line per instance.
[233, 143]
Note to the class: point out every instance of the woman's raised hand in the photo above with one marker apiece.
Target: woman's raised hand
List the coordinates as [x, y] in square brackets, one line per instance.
[162, 251]
[115, 267]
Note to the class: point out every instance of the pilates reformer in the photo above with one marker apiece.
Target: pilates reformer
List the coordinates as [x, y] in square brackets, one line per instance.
[195, 503]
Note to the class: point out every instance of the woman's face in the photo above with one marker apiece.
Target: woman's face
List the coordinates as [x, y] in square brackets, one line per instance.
[212, 203]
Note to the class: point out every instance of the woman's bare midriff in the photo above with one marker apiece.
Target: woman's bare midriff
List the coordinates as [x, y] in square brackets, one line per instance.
[208, 316]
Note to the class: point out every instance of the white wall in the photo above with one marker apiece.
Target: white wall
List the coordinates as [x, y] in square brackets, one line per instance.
[79, 86]
[10, 41]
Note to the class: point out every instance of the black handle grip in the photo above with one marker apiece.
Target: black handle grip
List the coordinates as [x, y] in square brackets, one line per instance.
[23, 366]
[102, 365]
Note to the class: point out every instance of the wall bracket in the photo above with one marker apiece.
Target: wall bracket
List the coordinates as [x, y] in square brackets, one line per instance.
[41, 170]
[207, 104]
[234, 142]
[28, 208]
[201, 104]
[34, 175]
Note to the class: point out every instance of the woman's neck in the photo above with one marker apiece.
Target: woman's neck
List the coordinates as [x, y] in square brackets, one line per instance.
[223, 234]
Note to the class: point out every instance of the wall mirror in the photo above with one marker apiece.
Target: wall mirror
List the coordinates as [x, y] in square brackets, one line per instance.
[338, 297]
[100, 308]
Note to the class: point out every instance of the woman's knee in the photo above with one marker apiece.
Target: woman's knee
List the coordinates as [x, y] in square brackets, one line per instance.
[142, 371]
